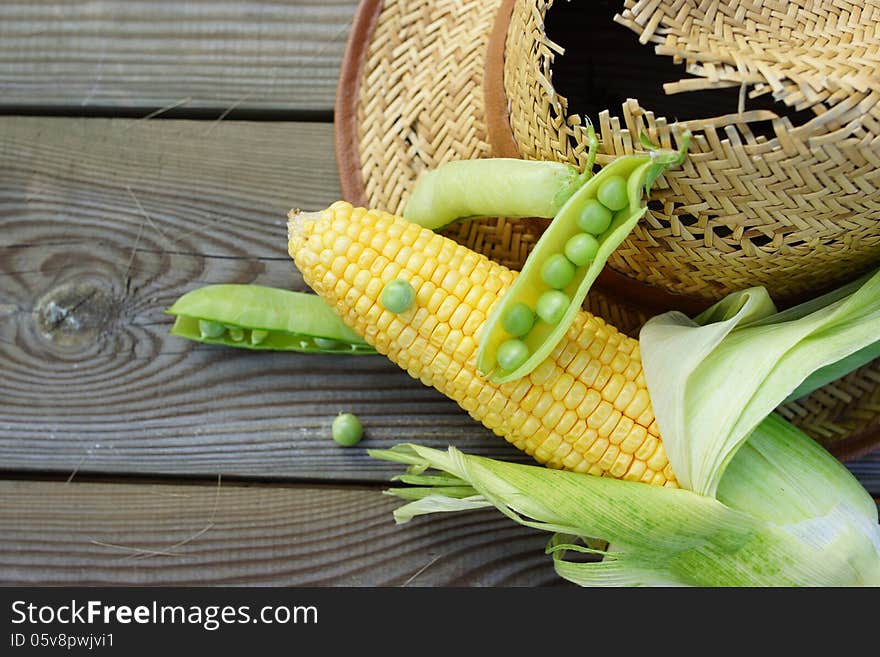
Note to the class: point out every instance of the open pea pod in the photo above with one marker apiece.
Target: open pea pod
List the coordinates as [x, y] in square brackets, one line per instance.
[259, 317]
[504, 356]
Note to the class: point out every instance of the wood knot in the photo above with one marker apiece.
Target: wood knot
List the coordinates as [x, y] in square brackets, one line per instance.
[75, 314]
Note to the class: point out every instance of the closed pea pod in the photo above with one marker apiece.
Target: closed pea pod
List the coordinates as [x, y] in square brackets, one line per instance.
[495, 187]
[259, 317]
[544, 282]
[520, 188]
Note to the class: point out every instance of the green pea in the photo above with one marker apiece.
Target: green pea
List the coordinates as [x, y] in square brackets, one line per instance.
[347, 429]
[236, 333]
[326, 343]
[210, 329]
[594, 217]
[397, 296]
[558, 271]
[519, 319]
[258, 336]
[511, 354]
[613, 193]
[581, 249]
[551, 306]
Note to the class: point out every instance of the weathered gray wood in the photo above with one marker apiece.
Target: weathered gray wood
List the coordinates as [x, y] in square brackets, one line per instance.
[153, 534]
[103, 224]
[249, 54]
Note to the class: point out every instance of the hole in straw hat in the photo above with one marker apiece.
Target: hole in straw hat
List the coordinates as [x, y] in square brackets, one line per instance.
[604, 64]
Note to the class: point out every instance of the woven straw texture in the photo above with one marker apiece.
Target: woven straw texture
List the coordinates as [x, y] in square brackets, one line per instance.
[796, 212]
[407, 125]
[743, 210]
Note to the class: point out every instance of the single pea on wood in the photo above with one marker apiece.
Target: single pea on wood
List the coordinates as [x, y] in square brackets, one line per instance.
[347, 429]
[566, 260]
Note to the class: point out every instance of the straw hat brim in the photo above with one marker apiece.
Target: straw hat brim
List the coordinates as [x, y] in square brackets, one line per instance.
[422, 84]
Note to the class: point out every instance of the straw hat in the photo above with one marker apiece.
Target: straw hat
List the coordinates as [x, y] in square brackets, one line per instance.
[763, 198]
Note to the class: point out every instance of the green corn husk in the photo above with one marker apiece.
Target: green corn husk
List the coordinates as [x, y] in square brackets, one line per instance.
[713, 379]
[658, 536]
[763, 504]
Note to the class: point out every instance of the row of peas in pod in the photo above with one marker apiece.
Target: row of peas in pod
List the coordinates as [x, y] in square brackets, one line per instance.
[559, 270]
[209, 329]
[225, 333]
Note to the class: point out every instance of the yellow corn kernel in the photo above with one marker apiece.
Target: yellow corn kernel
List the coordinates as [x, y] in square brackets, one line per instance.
[600, 415]
[621, 463]
[636, 470]
[635, 438]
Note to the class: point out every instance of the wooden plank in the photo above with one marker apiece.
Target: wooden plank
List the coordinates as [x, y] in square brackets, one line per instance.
[155, 534]
[74, 55]
[103, 224]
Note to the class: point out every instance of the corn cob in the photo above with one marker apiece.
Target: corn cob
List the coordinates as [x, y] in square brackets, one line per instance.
[586, 408]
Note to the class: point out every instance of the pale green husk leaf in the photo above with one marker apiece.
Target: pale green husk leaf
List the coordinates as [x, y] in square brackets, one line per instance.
[657, 536]
[714, 378]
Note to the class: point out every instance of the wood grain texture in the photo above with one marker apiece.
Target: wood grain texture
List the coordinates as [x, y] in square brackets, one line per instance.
[150, 54]
[156, 534]
[103, 224]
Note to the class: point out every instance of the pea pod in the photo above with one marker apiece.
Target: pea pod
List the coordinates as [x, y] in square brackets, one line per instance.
[542, 283]
[259, 317]
[495, 187]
